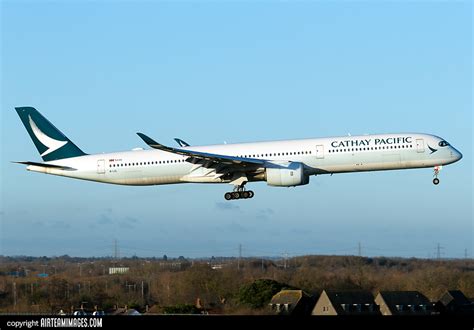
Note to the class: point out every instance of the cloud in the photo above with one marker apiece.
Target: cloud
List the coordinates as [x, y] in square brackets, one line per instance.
[233, 227]
[131, 219]
[105, 220]
[128, 222]
[49, 225]
[112, 220]
[126, 225]
[227, 206]
[265, 214]
[237, 227]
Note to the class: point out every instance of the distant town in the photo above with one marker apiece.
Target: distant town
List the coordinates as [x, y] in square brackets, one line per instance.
[304, 285]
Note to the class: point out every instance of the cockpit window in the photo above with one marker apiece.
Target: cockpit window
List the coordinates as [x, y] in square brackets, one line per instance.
[443, 144]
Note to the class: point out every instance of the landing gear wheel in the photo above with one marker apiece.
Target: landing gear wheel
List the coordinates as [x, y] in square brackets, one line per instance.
[239, 193]
[436, 170]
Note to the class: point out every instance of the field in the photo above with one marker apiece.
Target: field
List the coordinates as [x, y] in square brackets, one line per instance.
[216, 285]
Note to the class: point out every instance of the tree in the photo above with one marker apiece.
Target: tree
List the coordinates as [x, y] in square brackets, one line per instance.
[260, 292]
[181, 309]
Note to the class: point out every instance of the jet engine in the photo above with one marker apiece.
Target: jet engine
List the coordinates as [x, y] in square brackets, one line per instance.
[286, 175]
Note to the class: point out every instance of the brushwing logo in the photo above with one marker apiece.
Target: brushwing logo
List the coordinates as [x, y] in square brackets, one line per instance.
[432, 150]
[47, 141]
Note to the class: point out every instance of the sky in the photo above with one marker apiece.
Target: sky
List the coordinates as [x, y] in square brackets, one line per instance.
[210, 72]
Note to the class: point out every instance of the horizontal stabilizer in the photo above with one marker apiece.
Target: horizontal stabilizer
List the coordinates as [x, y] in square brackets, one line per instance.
[58, 167]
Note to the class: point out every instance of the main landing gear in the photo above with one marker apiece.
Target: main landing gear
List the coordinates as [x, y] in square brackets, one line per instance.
[436, 172]
[239, 193]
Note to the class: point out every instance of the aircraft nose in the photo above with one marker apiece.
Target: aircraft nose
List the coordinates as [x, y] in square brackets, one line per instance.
[456, 154]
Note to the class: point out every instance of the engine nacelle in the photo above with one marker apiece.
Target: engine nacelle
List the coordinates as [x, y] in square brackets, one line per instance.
[286, 175]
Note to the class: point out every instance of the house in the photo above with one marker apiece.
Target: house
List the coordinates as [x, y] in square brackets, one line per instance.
[454, 302]
[403, 303]
[291, 302]
[118, 270]
[346, 303]
[125, 311]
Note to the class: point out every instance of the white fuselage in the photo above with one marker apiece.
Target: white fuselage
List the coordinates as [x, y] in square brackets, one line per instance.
[319, 156]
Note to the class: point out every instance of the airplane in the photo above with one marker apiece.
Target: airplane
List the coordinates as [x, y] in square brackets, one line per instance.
[286, 163]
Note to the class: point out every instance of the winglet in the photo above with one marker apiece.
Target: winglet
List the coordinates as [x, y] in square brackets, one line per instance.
[148, 140]
[181, 142]
[153, 144]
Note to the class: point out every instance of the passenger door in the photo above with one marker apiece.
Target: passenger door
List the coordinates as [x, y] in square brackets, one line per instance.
[420, 145]
[320, 151]
[101, 166]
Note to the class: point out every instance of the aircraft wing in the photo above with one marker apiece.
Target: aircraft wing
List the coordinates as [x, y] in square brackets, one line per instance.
[211, 160]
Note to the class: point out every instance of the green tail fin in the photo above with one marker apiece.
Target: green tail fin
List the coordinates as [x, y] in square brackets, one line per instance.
[50, 142]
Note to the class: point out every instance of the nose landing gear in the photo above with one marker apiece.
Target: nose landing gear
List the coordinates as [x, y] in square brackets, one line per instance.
[436, 172]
